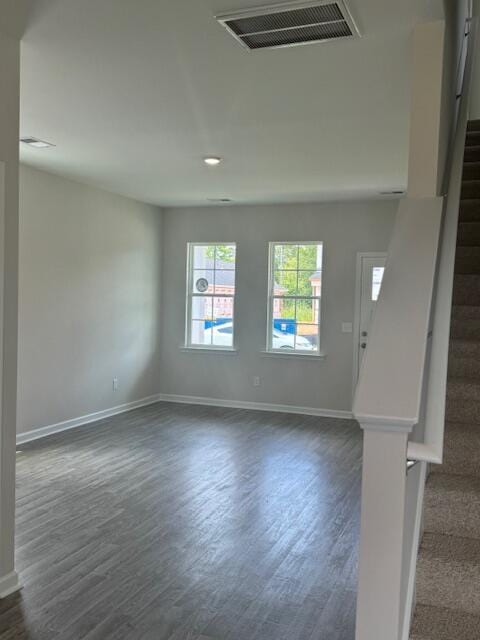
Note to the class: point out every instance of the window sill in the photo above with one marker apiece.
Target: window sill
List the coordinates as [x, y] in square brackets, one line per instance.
[215, 351]
[296, 354]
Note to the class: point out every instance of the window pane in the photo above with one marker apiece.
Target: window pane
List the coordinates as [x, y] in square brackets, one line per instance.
[286, 256]
[306, 337]
[283, 309]
[308, 311]
[224, 256]
[377, 277]
[200, 256]
[283, 335]
[285, 283]
[222, 334]
[202, 281]
[309, 283]
[200, 335]
[222, 309]
[225, 282]
[202, 308]
[310, 256]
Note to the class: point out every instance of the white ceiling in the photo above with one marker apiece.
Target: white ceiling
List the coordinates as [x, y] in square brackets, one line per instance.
[135, 92]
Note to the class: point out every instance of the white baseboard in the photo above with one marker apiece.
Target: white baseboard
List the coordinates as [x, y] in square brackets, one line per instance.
[9, 584]
[42, 432]
[256, 406]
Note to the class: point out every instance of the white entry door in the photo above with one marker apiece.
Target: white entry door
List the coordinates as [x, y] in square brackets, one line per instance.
[369, 281]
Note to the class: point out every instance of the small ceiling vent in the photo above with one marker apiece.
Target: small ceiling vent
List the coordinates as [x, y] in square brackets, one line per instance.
[287, 25]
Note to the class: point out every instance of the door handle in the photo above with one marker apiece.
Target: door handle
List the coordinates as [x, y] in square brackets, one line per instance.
[364, 345]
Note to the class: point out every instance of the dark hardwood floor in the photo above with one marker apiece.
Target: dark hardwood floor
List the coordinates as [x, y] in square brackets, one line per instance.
[179, 522]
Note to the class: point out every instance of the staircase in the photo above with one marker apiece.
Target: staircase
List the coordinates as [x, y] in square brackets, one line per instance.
[448, 570]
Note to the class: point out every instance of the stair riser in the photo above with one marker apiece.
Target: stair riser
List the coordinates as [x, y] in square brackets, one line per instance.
[464, 368]
[443, 582]
[472, 154]
[469, 211]
[461, 349]
[466, 290]
[466, 329]
[463, 402]
[467, 266]
[461, 447]
[471, 190]
[473, 125]
[439, 623]
[472, 139]
[462, 410]
[452, 513]
[468, 234]
[471, 171]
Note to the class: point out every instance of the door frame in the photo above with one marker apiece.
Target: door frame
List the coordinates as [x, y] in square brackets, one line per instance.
[356, 314]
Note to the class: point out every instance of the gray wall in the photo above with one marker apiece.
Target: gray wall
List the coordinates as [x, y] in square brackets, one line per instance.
[345, 229]
[89, 306]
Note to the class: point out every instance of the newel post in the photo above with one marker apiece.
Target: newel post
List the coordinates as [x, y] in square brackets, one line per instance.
[380, 598]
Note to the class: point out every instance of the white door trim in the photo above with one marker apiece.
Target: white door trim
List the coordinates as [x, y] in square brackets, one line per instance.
[356, 313]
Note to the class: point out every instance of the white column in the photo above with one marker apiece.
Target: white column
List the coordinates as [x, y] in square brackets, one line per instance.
[427, 143]
[12, 16]
[379, 601]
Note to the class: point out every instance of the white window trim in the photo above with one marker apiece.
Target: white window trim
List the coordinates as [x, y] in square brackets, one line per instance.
[189, 346]
[271, 268]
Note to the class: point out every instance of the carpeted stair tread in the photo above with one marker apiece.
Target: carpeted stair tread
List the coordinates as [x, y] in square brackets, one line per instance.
[439, 623]
[463, 401]
[448, 567]
[461, 450]
[465, 322]
[448, 572]
[466, 289]
[452, 505]
[464, 358]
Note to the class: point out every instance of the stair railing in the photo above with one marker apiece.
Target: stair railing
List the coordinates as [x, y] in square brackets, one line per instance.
[400, 397]
[427, 446]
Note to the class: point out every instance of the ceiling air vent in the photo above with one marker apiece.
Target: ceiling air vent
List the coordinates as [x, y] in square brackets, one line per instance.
[287, 25]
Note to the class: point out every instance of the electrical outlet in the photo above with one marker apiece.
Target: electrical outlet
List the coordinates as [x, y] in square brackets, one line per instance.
[256, 381]
[115, 384]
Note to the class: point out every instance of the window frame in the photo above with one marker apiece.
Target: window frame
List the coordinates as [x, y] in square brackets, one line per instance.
[190, 295]
[271, 297]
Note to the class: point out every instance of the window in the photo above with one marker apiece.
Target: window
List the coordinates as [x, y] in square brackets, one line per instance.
[295, 283]
[211, 295]
[377, 277]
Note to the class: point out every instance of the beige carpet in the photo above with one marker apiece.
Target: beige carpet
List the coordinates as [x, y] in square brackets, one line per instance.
[448, 571]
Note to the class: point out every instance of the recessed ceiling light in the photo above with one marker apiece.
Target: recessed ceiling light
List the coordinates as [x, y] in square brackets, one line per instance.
[212, 161]
[36, 143]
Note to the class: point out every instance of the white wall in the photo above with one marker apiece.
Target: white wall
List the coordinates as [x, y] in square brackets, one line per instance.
[89, 307]
[345, 229]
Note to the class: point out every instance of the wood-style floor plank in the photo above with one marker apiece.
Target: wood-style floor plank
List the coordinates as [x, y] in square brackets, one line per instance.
[176, 522]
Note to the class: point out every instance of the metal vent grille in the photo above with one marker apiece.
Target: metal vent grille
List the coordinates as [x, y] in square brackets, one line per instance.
[290, 24]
